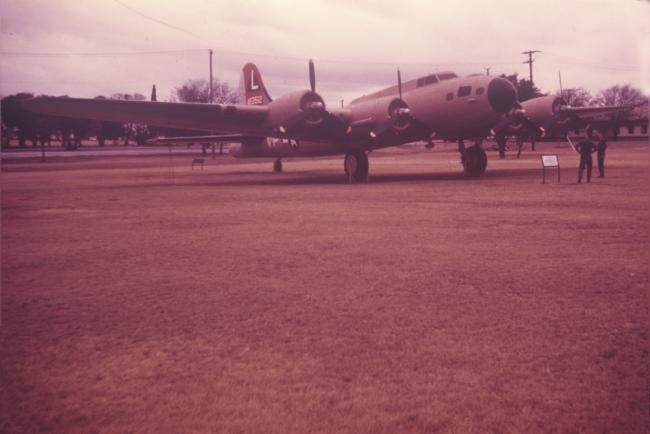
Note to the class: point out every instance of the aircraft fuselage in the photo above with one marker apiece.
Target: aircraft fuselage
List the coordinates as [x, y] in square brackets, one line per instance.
[452, 108]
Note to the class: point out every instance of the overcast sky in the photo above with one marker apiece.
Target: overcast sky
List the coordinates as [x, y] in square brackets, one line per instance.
[102, 47]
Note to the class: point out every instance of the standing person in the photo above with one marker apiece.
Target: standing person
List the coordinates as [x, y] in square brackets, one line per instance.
[585, 148]
[601, 146]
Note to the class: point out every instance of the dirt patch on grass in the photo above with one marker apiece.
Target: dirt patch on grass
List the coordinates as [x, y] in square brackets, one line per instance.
[139, 296]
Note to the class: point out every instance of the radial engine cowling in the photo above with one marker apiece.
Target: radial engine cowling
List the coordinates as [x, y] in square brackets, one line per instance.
[538, 110]
[381, 113]
[297, 108]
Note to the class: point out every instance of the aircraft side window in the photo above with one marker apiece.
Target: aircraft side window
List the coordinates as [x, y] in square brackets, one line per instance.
[464, 91]
[450, 96]
[480, 91]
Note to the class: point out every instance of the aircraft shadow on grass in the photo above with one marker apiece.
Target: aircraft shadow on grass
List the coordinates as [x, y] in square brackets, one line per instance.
[251, 178]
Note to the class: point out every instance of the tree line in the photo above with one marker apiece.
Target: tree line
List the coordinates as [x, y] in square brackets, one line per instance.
[617, 95]
[24, 126]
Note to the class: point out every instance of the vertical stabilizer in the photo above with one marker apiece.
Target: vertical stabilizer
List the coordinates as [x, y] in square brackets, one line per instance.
[254, 91]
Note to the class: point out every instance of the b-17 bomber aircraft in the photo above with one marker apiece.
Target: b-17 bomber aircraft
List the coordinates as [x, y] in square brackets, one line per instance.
[298, 124]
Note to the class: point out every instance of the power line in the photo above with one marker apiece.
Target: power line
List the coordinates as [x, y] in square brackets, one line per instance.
[99, 53]
[155, 20]
[588, 63]
[576, 62]
[239, 53]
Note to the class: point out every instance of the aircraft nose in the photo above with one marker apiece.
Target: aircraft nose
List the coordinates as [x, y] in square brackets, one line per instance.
[502, 95]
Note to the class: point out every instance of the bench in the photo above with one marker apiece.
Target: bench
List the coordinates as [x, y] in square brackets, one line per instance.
[200, 161]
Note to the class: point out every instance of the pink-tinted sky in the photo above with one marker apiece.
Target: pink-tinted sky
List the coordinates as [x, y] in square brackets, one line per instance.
[128, 45]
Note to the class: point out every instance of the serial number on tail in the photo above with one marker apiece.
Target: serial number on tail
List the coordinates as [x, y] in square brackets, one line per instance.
[255, 100]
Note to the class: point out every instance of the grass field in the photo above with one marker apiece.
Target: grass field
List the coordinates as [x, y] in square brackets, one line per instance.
[238, 300]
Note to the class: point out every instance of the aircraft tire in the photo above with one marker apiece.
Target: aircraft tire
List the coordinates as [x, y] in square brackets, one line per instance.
[474, 161]
[356, 167]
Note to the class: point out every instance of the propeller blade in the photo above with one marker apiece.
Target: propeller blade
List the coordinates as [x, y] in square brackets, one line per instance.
[502, 125]
[549, 122]
[530, 126]
[399, 83]
[515, 118]
[312, 76]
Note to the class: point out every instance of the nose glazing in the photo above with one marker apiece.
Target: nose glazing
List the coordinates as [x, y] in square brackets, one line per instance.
[502, 95]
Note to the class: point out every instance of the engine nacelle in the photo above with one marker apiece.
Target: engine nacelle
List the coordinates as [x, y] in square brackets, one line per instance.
[538, 110]
[378, 111]
[295, 108]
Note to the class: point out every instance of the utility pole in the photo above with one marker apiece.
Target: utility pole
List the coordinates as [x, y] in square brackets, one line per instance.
[530, 62]
[559, 75]
[487, 71]
[211, 94]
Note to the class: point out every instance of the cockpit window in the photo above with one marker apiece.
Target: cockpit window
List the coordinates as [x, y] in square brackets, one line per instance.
[450, 96]
[430, 79]
[464, 91]
[480, 91]
[427, 80]
[446, 76]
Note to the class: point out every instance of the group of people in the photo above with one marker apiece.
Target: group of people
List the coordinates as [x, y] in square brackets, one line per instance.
[587, 147]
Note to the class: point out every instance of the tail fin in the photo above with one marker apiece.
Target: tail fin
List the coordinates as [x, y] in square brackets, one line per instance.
[254, 90]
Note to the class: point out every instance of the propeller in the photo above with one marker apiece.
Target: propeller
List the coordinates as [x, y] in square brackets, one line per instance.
[561, 117]
[399, 114]
[514, 117]
[312, 106]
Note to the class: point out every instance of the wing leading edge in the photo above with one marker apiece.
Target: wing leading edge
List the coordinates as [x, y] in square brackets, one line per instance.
[237, 119]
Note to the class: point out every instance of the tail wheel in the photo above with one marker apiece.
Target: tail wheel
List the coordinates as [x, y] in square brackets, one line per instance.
[474, 161]
[356, 167]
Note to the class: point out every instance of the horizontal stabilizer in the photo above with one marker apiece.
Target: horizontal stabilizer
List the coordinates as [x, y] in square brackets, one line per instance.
[220, 138]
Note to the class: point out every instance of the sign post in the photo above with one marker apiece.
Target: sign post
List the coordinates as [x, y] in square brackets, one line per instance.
[550, 161]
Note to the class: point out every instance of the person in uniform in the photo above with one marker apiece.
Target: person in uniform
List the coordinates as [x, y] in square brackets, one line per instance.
[585, 148]
[601, 146]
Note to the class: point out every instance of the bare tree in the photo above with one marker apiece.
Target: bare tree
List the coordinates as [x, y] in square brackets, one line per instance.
[198, 90]
[577, 96]
[620, 95]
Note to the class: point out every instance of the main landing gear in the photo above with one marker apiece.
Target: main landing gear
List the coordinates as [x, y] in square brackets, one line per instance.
[356, 167]
[502, 141]
[277, 166]
[473, 158]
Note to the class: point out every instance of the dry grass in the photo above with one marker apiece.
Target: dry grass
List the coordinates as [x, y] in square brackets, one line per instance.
[243, 301]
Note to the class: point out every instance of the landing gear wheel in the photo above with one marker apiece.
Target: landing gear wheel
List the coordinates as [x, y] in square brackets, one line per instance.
[356, 167]
[474, 161]
[277, 166]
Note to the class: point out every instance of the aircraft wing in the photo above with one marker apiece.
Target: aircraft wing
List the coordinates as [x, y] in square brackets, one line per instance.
[591, 113]
[239, 119]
